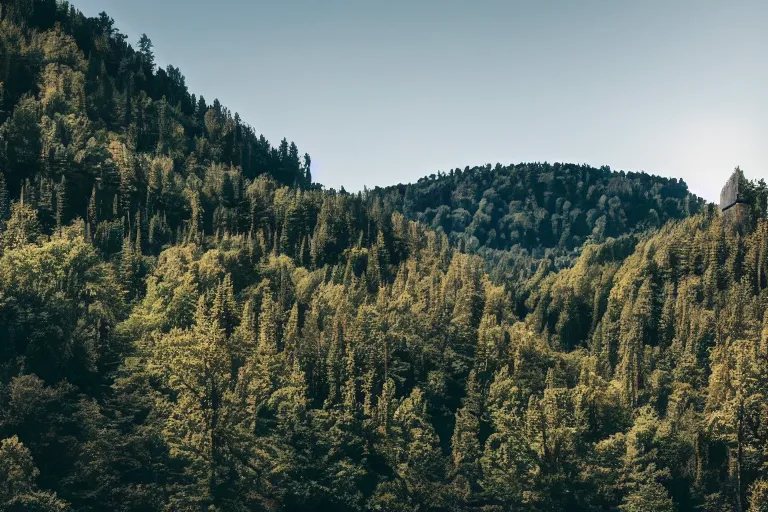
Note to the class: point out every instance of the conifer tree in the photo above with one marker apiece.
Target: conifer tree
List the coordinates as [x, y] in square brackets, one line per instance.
[508, 462]
[420, 464]
[137, 243]
[128, 267]
[5, 203]
[145, 50]
[267, 369]
[202, 410]
[245, 340]
[334, 363]
[291, 336]
[758, 496]
[465, 443]
[61, 203]
[92, 208]
[307, 173]
[22, 228]
[385, 407]
[224, 308]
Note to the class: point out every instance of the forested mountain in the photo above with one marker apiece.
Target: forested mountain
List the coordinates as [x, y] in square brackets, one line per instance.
[542, 206]
[513, 216]
[92, 129]
[187, 322]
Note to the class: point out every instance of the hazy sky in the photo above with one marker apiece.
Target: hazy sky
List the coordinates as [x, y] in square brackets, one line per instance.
[385, 92]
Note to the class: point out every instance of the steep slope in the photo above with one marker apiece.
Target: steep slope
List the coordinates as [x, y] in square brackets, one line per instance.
[92, 128]
[677, 334]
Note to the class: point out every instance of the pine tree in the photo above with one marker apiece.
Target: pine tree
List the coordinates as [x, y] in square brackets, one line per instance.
[46, 211]
[61, 203]
[465, 443]
[92, 209]
[245, 332]
[382, 255]
[385, 407]
[267, 368]
[128, 267]
[145, 50]
[373, 271]
[343, 444]
[291, 336]
[508, 461]
[334, 363]
[647, 496]
[22, 228]
[137, 243]
[196, 221]
[195, 365]
[629, 368]
[224, 308]
[307, 173]
[5, 203]
[758, 496]
[419, 460]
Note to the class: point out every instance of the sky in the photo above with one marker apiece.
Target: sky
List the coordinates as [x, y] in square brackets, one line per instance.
[380, 93]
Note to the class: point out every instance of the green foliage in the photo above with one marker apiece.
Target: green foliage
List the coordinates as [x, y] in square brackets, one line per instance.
[188, 323]
[512, 214]
[18, 490]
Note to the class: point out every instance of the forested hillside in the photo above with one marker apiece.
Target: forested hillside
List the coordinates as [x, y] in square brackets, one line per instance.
[93, 129]
[542, 206]
[514, 215]
[188, 323]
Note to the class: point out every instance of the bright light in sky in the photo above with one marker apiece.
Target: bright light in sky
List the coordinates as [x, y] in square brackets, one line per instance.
[386, 92]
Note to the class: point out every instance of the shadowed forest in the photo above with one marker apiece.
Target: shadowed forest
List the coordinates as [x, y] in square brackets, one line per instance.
[188, 322]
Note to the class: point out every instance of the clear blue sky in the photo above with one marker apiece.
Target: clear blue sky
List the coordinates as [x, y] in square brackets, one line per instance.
[385, 92]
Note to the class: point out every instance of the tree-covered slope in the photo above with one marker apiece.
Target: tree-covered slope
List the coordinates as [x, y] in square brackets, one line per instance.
[187, 323]
[92, 128]
[519, 218]
[677, 334]
[542, 206]
[245, 379]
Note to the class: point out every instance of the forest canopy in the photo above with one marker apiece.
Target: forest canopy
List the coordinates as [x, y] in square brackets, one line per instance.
[188, 322]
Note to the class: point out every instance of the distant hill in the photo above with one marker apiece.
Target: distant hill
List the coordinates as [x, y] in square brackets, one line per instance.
[513, 216]
[543, 206]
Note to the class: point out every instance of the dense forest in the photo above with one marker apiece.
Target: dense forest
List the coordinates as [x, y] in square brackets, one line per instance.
[188, 322]
[540, 207]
